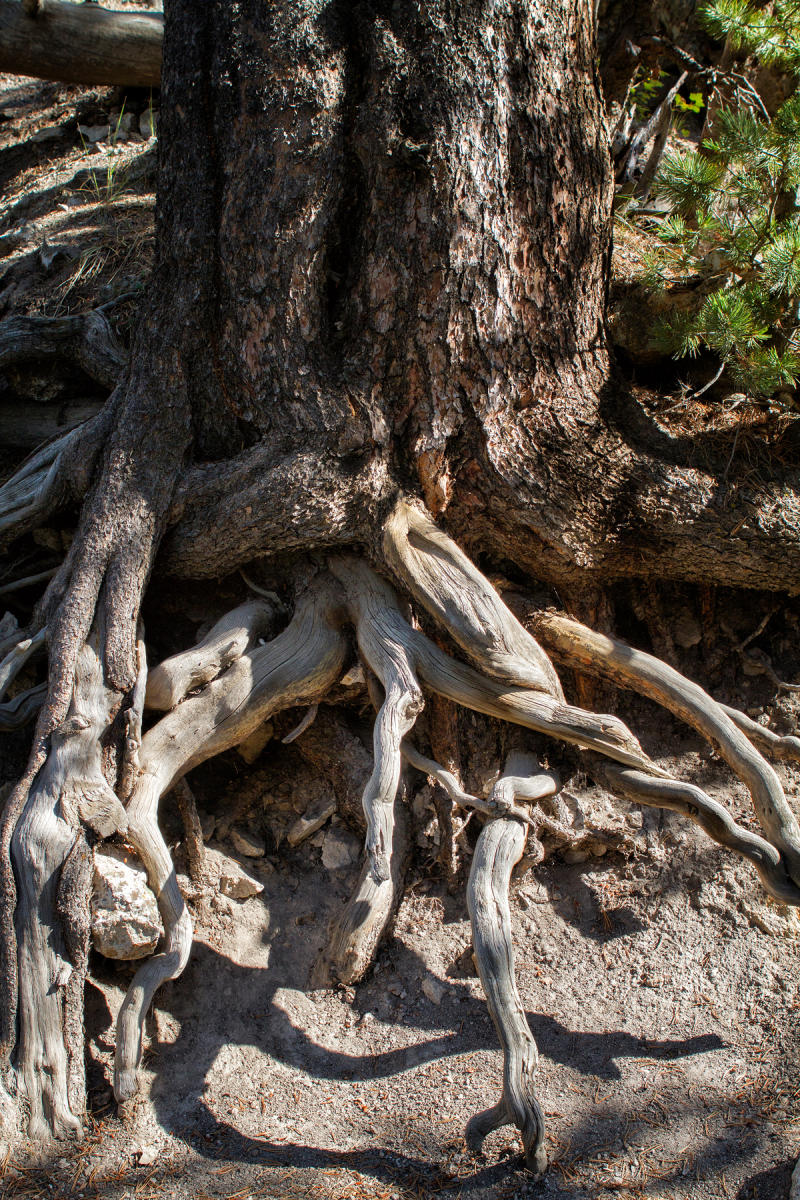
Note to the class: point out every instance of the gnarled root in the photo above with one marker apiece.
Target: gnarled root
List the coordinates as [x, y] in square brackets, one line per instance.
[297, 667]
[499, 848]
[355, 935]
[582, 648]
[233, 634]
[718, 823]
[439, 575]
[70, 789]
[372, 605]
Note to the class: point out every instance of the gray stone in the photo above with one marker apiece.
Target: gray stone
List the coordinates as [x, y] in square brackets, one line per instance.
[313, 818]
[340, 850]
[47, 133]
[125, 919]
[148, 123]
[433, 989]
[232, 880]
[247, 843]
[94, 133]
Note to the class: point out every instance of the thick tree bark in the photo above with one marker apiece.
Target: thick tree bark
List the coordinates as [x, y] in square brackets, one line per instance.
[382, 240]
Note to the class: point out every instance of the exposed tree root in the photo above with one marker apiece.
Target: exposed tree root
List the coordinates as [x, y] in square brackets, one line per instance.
[499, 848]
[17, 657]
[298, 666]
[582, 648]
[355, 936]
[53, 40]
[215, 695]
[786, 748]
[439, 575]
[230, 638]
[371, 604]
[70, 789]
[86, 339]
[718, 823]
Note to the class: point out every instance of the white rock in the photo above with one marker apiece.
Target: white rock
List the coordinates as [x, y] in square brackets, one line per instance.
[125, 918]
[340, 850]
[232, 880]
[433, 989]
[248, 844]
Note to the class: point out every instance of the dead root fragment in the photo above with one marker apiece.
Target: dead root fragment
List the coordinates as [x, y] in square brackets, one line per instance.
[582, 648]
[297, 667]
[499, 848]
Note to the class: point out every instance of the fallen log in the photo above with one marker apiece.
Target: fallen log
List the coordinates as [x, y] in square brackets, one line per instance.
[80, 43]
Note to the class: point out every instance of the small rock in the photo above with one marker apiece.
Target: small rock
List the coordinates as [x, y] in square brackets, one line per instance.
[125, 122]
[94, 133]
[47, 133]
[248, 844]
[312, 819]
[433, 989]
[148, 123]
[252, 746]
[125, 919]
[686, 630]
[239, 887]
[147, 1155]
[340, 850]
[576, 856]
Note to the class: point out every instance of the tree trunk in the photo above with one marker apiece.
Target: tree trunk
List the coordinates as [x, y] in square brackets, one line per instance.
[382, 240]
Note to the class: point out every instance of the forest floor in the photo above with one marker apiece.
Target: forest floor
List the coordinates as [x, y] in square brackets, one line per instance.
[660, 983]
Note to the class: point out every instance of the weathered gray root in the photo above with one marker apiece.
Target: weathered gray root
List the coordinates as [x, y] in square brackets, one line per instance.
[233, 634]
[692, 802]
[439, 575]
[463, 799]
[785, 748]
[31, 494]
[77, 44]
[69, 789]
[85, 339]
[17, 657]
[17, 712]
[580, 647]
[388, 656]
[356, 934]
[521, 706]
[499, 848]
[297, 667]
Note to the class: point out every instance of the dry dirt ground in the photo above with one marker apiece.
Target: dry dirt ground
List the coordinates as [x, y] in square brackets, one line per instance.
[660, 984]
